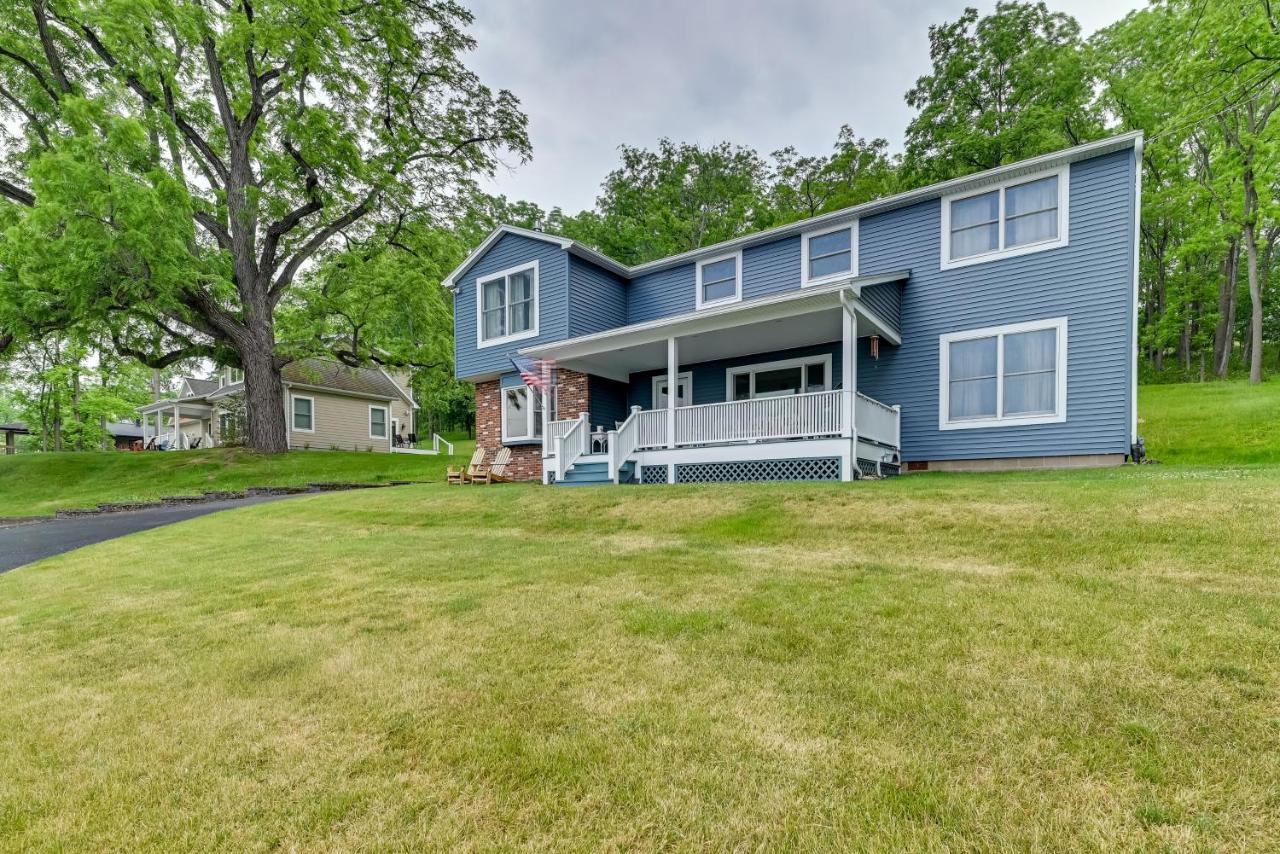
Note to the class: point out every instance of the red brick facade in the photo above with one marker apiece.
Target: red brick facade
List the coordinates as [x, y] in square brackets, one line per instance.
[574, 397]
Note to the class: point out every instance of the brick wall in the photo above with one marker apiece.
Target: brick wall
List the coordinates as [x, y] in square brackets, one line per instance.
[526, 460]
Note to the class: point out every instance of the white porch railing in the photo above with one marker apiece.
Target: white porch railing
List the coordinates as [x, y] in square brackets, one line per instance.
[651, 428]
[572, 444]
[761, 419]
[878, 422]
[624, 442]
[556, 429]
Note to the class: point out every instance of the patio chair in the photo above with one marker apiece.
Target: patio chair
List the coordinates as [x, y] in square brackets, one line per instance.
[496, 473]
[456, 474]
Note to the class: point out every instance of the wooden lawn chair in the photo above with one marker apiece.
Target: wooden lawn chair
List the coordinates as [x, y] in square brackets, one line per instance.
[496, 473]
[456, 474]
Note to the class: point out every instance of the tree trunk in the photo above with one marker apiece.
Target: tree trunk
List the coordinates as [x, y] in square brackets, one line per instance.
[1224, 331]
[266, 431]
[75, 408]
[1255, 307]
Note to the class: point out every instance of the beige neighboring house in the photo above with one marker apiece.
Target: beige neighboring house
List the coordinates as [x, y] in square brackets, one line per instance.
[328, 406]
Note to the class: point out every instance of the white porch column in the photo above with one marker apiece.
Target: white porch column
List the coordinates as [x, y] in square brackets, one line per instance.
[177, 421]
[673, 375]
[848, 370]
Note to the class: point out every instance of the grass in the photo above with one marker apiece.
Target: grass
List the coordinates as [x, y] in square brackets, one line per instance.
[884, 665]
[1216, 423]
[39, 484]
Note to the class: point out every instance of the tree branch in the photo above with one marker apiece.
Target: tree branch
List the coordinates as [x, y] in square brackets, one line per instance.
[33, 69]
[16, 193]
[159, 362]
[315, 243]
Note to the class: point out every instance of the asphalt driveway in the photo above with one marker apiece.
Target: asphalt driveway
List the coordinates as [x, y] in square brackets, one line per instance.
[29, 542]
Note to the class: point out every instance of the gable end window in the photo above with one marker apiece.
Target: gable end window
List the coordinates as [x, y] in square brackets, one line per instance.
[829, 254]
[304, 414]
[507, 305]
[719, 280]
[1018, 216]
[1003, 376]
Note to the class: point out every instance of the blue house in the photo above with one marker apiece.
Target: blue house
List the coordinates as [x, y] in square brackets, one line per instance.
[984, 322]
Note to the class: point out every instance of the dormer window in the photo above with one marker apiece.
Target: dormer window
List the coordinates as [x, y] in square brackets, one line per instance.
[1016, 217]
[507, 305]
[829, 254]
[719, 280]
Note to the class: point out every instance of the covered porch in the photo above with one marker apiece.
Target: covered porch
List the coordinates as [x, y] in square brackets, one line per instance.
[764, 389]
[190, 424]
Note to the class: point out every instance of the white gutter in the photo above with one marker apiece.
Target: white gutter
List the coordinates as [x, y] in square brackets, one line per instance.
[1137, 265]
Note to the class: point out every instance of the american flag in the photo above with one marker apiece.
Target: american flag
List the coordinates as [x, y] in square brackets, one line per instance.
[536, 373]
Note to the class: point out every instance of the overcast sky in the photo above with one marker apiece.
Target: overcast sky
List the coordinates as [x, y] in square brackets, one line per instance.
[593, 74]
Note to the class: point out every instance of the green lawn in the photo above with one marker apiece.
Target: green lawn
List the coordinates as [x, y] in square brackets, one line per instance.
[1214, 423]
[39, 484]
[1050, 660]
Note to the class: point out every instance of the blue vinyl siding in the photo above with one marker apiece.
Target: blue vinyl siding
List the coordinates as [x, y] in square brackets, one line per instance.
[660, 294]
[886, 301]
[553, 319]
[608, 400]
[771, 268]
[709, 378]
[597, 298]
[1089, 281]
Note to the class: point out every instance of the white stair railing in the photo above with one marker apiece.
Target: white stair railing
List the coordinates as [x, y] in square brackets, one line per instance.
[437, 440]
[572, 444]
[624, 442]
[878, 422]
[760, 419]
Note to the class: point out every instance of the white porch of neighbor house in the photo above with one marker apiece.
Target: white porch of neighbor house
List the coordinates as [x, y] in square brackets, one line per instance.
[794, 430]
[190, 424]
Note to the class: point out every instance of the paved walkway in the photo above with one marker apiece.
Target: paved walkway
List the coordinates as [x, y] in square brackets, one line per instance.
[26, 543]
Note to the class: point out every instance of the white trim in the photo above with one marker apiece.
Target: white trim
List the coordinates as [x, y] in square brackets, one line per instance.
[406, 394]
[1137, 229]
[1063, 174]
[451, 281]
[658, 379]
[737, 280]
[852, 228]
[801, 362]
[505, 275]
[531, 436]
[293, 415]
[1059, 414]
[386, 421]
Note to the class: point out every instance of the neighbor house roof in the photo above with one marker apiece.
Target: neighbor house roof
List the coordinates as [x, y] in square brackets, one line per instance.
[199, 387]
[326, 374]
[14, 427]
[125, 429]
[911, 197]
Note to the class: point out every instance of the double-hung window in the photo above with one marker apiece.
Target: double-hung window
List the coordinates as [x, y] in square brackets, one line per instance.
[719, 280]
[522, 414]
[1015, 217]
[304, 412]
[507, 305]
[1004, 375]
[829, 254]
[377, 422]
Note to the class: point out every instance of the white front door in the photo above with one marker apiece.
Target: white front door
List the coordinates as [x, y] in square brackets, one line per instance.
[684, 397]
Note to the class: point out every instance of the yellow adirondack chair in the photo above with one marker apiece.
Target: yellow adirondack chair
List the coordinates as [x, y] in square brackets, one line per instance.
[496, 473]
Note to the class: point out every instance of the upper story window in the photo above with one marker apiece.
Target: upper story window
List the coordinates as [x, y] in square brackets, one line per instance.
[1015, 217]
[720, 280]
[829, 254]
[507, 305]
[1004, 375]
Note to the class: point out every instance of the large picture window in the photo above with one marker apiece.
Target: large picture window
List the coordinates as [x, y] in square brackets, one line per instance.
[1021, 215]
[1014, 374]
[507, 305]
[522, 414]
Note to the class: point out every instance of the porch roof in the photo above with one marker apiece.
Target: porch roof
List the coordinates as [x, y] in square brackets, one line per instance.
[775, 322]
[196, 407]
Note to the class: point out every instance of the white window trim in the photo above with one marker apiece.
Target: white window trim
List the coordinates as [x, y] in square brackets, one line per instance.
[1064, 204]
[659, 379]
[531, 422]
[737, 293]
[1059, 414]
[852, 228]
[729, 373]
[481, 341]
[293, 415]
[386, 422]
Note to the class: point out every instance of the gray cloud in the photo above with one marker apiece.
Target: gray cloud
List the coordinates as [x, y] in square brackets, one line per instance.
[594, 75]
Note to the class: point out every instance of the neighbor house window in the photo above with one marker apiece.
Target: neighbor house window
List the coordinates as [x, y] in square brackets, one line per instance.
[304, 414]
[1014, 374]
[507, 305]
[720, 280]
[829, 255]
[1018, 216]
[779, 379]
[377, 422]
[522, 414]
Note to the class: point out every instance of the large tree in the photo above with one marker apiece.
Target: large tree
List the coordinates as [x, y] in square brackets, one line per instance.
[1003, 87]
[180, 162]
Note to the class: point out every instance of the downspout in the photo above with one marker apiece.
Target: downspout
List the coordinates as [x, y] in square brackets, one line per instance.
[1137, 230]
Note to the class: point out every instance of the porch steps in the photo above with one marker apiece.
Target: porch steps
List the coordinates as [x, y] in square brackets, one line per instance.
[594, 474]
